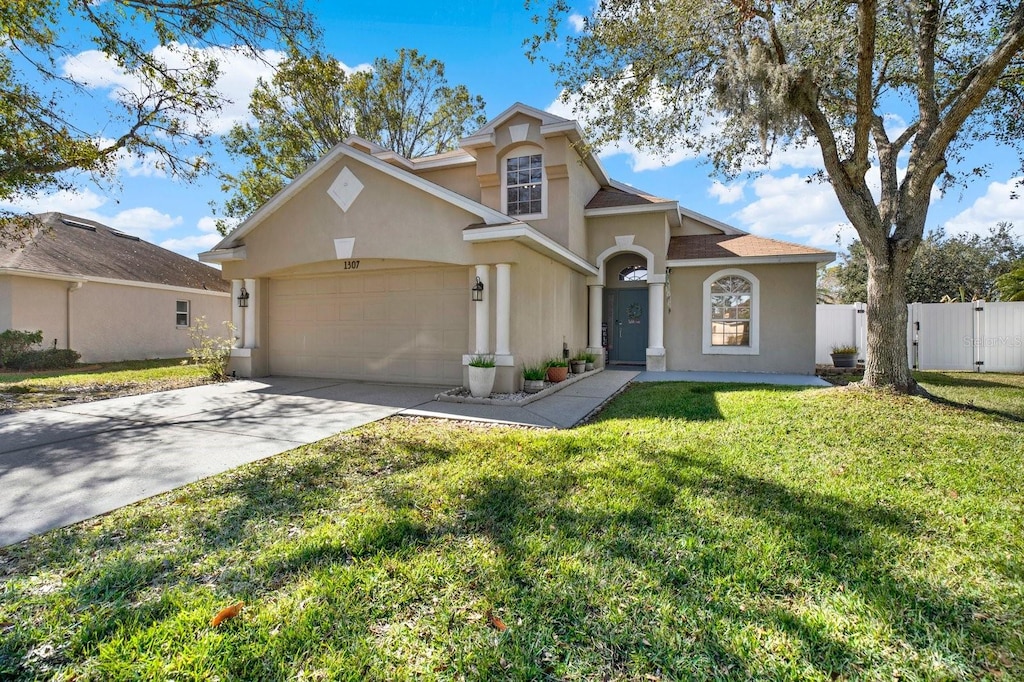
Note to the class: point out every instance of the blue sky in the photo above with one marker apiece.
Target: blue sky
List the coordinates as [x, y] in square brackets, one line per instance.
[481, 44]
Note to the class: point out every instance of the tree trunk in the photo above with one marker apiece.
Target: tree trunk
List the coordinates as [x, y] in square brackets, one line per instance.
[887, 364]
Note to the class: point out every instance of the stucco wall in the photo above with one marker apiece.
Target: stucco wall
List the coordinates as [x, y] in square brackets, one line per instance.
[40, 304]
[461, 179]
[388, 217]
[650, 231]
[5, 303]
[116, 322]
[787, 321]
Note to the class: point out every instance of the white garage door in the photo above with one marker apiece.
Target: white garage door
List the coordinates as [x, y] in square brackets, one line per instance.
[403, 326]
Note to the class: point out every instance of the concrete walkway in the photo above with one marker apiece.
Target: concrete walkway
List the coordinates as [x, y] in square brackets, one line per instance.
[67, 464]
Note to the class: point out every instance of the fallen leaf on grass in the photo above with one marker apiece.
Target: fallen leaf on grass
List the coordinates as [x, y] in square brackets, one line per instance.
[497, 623]
[226, 613]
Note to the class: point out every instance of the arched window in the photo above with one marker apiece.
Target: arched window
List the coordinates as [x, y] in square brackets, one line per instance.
[633, 273]
[731, 313]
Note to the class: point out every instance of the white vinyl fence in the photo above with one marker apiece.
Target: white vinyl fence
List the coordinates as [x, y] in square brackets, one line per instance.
[979, 336]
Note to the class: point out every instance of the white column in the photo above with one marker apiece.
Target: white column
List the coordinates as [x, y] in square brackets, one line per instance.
[656, 313]
[237, 314]
[502, 308]
[483, 312]
[249, 332]
[596, 314]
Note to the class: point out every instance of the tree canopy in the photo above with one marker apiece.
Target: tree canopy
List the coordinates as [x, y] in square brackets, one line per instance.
[892, 92]
[156, 46]
[311, 104]
[944, 268]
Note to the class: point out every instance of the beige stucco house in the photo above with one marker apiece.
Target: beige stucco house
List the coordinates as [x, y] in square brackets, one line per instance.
[363, 268]
[107, 294]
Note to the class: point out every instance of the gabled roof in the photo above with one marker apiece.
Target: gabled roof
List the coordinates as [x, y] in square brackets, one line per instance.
[611, 197]
[81, 249]
[718, 247]
[545, 117]
[488, 215]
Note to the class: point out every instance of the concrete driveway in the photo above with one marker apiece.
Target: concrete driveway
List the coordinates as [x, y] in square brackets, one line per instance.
[67, 464]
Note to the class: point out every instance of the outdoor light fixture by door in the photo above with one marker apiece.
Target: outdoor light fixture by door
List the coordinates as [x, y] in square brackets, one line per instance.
[243, 298]
[478, 290]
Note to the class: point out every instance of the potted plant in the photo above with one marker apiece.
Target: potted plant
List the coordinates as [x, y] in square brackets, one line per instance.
[589, 359]
[578, 364]
[844, 356]
[558, 369]
[481, 375]
[533, 377]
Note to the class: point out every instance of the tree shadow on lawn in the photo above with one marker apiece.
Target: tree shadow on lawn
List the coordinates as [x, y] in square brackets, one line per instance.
[695, 585]
[660, 562]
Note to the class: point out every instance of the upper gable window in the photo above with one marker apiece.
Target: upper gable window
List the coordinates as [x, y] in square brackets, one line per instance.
[633, 273]
[524, 185]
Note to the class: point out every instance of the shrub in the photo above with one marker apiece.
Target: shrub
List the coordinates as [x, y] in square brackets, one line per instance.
[48, 358]
[557, 362]
[482, 361]
[14, 343]
[211, 352]
[535, 372]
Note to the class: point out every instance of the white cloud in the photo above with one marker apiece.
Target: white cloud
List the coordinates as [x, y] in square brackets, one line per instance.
[238, 74]
[207, 224]
[727, 194]
[1002, 201]
[577, 22]
[791, 208]
[141, 221]
[191, 245]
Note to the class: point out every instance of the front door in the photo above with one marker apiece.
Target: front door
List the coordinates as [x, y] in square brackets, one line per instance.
[629, 327]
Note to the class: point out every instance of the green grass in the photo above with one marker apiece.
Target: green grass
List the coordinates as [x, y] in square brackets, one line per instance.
[999, 393]
[695, 531]
[23, 391]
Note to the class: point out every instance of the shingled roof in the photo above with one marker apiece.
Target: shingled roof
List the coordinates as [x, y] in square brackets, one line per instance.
[611, 197]
[71, 246]
[695, 247]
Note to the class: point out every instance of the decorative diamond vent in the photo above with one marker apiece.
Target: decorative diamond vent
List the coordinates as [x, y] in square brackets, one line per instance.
[345, 188]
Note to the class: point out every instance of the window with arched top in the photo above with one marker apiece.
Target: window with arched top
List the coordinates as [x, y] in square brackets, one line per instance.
[633, 273]
[731, 303]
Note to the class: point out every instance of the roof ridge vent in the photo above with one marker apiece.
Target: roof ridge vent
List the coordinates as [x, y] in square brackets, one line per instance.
[79, 224]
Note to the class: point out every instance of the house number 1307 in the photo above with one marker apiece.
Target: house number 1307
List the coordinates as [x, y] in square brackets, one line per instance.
[351, 265]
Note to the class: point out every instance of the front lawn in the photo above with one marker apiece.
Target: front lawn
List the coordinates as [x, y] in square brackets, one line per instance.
[32, 390]
[694, 531]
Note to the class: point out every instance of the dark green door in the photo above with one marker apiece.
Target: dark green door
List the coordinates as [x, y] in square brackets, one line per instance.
[629, 328]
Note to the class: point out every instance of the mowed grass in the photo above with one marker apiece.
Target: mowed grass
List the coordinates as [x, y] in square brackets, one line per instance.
[695, 531]
[33, 390]
[998, 393]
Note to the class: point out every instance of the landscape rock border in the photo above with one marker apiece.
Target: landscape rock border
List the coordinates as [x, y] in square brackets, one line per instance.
[461, 395]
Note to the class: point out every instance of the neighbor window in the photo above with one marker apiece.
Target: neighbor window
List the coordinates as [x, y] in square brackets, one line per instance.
[731, 313]
[524, 180]
[182, 314]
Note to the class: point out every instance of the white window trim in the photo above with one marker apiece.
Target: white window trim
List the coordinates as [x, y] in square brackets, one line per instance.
[527, 150]
[755, 316]
[188, 305]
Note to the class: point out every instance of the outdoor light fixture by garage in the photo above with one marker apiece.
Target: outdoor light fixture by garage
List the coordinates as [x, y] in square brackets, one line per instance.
[243, 298]
[478, 290]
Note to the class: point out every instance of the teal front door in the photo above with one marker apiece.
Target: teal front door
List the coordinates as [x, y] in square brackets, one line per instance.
[629, 326]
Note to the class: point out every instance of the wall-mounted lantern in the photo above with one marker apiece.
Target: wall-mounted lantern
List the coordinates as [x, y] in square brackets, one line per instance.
[478, 290]
[243, 298]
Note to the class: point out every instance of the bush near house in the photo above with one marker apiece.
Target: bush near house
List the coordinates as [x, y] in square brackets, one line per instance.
[14, 342]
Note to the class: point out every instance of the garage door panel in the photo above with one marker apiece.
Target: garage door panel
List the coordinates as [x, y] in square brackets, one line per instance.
[407, 326]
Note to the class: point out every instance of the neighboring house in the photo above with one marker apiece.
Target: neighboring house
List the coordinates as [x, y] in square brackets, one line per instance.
[107, 294]
[363, 267]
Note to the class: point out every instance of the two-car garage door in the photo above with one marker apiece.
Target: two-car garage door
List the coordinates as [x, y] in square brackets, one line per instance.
[403, 326]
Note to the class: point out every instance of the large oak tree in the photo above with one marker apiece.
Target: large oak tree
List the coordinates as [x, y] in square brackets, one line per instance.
[403, 104]
[741, 79]
[155, 45]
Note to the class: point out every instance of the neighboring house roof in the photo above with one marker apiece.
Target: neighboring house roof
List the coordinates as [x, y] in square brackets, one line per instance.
[80, 248]
[747, 246]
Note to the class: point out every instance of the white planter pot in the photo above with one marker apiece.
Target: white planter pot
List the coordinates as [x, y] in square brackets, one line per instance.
[481, 381]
